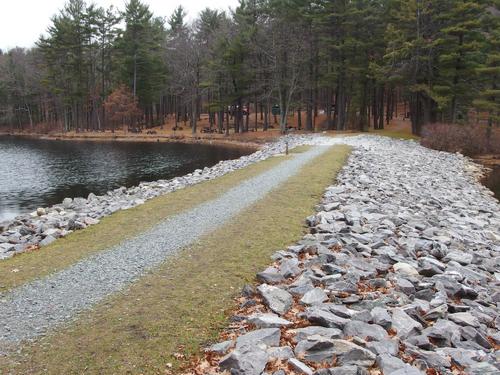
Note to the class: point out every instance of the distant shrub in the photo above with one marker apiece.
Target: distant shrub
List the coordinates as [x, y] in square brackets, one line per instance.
[470, 140]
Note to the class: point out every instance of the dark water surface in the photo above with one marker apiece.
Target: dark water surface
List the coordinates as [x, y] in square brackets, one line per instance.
[493, 181]
[39, 173]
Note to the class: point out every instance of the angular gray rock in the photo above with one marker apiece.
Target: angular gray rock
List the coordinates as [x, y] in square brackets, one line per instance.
[316, 349]
[221, 347]
[268, 321]
[381, 317]
[259, 337]
[280, 352]
[248, 362]
[389, 364]
[290, 268]
[464, 319]
[370, 332]
[300, 367]
[349, 353]
[405, 286]
[304, 333]
[270, 275]
[315, 296]
[405, 269]
[341, 370]
[277, 299]
[404, 324]
[388, 346]
[325, 318]
[47, 241]
[319, 349]
[407, 370]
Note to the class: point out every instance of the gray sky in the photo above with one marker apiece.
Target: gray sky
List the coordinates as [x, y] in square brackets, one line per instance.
[22, 21]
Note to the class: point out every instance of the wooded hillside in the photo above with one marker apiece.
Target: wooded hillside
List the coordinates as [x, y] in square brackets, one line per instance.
[353, 59]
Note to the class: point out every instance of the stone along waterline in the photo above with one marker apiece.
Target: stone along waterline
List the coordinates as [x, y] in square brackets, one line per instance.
[39, 173]
[49, 301]
[44, 226]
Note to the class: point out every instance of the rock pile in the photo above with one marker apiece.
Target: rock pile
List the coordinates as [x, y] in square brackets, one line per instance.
[45, 225]
[399, 275]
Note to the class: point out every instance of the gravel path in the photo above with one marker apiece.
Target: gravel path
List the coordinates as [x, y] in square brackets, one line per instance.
[33, 309]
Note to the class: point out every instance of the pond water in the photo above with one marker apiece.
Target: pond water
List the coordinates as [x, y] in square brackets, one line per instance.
[493, 181]
[39, 173]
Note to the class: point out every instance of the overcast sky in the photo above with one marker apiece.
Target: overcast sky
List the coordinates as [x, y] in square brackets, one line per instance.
[22, 21]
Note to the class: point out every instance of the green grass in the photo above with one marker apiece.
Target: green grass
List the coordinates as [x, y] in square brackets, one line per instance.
[183, 304]
[117, 227]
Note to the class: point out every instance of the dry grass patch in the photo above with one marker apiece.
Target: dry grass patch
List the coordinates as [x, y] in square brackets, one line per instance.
[170, 313]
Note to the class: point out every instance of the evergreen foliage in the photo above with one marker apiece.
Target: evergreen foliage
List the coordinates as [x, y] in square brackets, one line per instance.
[354, 60]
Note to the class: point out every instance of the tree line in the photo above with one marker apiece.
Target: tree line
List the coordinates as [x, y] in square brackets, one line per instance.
[356, 61]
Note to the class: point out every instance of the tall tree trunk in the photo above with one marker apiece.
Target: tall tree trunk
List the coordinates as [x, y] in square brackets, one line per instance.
[381, 108]
[309, 116]
[299, 119]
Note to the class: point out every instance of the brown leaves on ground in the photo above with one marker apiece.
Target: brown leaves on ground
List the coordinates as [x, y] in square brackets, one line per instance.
[493, 344]
[364, 288]
[391, 332]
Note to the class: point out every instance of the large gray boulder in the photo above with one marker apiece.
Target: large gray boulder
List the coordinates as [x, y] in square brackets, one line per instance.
[370, 332]
[245, 362]
[404, 324]
[325, 318]
[319, 349]
[464, 319]
[47, 241]
[316, 349]
[389, 364]
[381, 317]
[388, 346]
[315, 296]
[268, 321]
[329, 333]
[349, 353]
[277, 299]
[280, 352]
[260, 337]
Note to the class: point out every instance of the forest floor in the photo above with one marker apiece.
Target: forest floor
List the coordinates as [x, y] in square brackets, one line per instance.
[168, 313]
[397, 128]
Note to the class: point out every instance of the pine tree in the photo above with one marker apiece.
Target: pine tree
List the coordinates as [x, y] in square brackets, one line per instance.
[460, 47]
[139, 51]
[488, 99]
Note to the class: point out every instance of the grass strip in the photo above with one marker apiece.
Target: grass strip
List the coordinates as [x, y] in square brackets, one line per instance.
[183, 304]
[118, 227]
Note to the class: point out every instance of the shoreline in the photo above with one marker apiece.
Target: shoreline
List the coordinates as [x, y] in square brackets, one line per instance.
[488, 160]
[44, 225]
[219, 140]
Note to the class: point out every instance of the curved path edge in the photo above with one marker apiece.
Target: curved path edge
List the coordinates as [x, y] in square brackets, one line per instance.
[35, 308]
